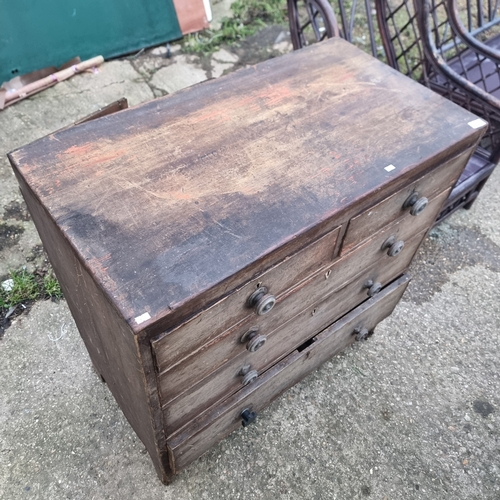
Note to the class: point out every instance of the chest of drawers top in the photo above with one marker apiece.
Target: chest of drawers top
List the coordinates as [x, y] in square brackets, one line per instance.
[172, 204]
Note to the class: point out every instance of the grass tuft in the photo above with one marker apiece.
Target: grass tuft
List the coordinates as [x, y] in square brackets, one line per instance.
[26, 287]
[51, 287]
[248, 17]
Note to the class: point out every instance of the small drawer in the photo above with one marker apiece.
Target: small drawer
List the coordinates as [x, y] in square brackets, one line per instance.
[172, 346]
[229, 378]
[412, 199]
[210, 427]
[200, 363]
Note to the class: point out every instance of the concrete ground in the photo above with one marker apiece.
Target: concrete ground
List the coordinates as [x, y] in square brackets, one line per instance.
[413, 413]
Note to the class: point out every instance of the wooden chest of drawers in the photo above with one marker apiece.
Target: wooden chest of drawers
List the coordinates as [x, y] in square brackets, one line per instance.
[217, 245]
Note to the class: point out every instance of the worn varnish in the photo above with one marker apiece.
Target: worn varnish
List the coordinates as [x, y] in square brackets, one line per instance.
[227, 379]
[289, 303]
[231, 170]
[203, 432]
[374, 218]
[226, 346]
[171, 348]
[291, 176]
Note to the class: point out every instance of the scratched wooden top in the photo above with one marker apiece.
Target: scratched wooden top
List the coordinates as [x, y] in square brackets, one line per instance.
[165, 200]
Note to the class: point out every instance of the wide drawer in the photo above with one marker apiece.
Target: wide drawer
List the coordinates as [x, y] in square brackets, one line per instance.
[176, 379]
[229, 378]
[176, 344]
[388, 210]
[212, 426]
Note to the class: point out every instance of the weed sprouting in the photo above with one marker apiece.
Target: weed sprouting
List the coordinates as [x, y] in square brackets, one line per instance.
[248, 17]
[24, 286]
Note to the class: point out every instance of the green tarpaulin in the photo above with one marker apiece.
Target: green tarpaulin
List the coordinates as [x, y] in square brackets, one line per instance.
[39, 33]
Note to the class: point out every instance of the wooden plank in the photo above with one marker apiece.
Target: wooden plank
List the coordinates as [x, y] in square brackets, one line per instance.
[227, 379]
[167, 201]
[200, 363]
[376, 217]
[212, 426]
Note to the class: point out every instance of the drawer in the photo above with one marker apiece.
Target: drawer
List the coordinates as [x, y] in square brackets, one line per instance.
[172, 346]
[212, 426]
[229, 379]
[227, 345]
[388, 210]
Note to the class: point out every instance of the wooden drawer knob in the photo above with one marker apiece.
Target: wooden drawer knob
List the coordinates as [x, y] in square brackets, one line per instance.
[361, 333]
[256, 343]
[247, 417]
[373, 287]
[262, 301]
[416, 204]
[249, 377]
[265, 304]
[394, 246]
[253, 340]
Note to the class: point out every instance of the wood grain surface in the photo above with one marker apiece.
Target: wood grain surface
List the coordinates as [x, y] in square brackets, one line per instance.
[176, 345]
[192, 441]
[165, 202]
[371, 220]
[227, 379]
[192, 365]
[114, 351]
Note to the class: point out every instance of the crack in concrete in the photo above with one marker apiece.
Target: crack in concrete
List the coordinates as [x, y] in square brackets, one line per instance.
[147, 80]
[41, 95]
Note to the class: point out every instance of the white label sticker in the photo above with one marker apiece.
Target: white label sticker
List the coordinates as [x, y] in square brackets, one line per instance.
[478, 122]
[143, 317]
[390, 168]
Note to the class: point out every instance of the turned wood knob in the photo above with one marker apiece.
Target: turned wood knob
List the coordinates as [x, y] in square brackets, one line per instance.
[416, 204]
[265, 304]
[262, 301]
[361, 333]
[252, 339]
[247, 417]
[249, 377]
[373, 288]
[393, 246]
[255, 343]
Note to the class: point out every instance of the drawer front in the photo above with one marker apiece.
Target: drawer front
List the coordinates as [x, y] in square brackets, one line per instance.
[226, 346]
[212, 426]
[229, 378]
[388, 210]
[175, 345]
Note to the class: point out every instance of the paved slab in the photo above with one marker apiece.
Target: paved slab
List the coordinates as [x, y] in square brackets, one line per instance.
[412, 413]
[222, 62]
[220, 10]
[178, 75]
